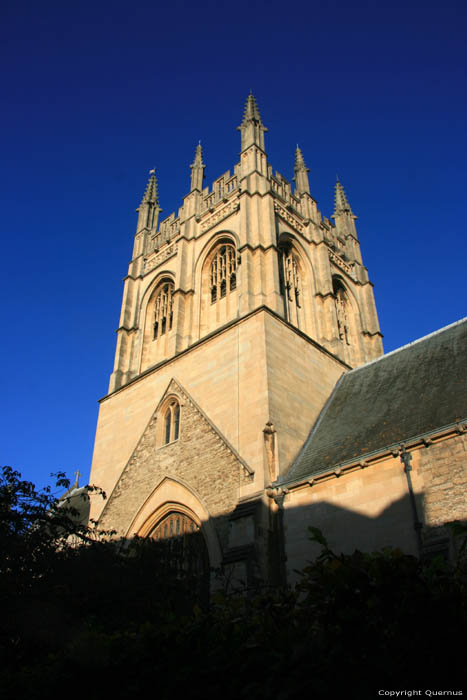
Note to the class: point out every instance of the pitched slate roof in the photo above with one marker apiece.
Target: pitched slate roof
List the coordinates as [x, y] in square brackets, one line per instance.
[406, 393]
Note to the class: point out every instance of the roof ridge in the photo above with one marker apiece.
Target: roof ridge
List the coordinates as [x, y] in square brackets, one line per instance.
[408, 345]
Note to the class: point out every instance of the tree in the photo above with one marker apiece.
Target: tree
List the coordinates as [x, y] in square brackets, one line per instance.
[122, 612]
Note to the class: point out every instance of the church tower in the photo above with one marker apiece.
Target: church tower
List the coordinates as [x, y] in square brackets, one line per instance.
[239, 315]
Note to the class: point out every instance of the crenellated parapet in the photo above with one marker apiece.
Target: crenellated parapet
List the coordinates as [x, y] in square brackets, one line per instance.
[221, 189]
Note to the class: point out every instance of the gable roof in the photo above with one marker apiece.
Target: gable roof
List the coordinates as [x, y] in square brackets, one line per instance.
[408, 392]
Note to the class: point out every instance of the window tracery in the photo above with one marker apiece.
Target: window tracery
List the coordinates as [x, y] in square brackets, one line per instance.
[174, 524]
[341, 303]
[223, 272]
[291, 276]
[163, 310]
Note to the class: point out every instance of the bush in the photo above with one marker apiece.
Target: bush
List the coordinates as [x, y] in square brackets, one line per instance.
[123, 618]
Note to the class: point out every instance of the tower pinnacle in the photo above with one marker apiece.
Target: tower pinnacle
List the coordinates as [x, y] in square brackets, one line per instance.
[301, 173]
[341, 204]
[197, 170]
[151, 194]
[252, 128]
[149, 208]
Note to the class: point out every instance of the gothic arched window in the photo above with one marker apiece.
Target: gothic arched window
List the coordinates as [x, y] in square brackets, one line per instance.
[223, 272]
[291, 283]
[183, 543]
[171, 422]
[341, 302]
[291, 276]
[174, 524]
[163, 310]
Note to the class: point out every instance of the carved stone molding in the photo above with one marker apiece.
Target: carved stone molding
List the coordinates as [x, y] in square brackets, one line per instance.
[157, 258]
[219, 215]
[288, 217]
[340, 263]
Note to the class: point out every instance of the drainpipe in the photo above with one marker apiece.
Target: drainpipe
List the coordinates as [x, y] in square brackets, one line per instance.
[406, 459]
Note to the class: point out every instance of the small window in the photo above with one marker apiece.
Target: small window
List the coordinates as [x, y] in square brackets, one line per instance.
[172, 423]
[176, 421]
[168, 424]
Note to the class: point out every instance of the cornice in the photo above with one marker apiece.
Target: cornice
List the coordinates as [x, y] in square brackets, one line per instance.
[128, 329]
[155, 259]
[289, 218]
[342, 265]
[223, 329]
[368, 459]
[218, 215]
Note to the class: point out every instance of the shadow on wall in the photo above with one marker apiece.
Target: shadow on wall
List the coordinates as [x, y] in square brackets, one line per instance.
[261, 544]
[403, 524]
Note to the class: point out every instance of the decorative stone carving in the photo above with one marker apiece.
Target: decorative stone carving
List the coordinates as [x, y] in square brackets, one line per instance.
[157, 258]
[219, 215]
[337, 260]
[288, 217]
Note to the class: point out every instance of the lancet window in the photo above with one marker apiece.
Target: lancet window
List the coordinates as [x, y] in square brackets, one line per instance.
[172, 422]
[341, 302]
[223, 272]
[163, 310]
[291, 276]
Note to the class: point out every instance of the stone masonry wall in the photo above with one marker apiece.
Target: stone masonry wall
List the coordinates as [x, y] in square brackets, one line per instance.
[443, 470]
[199, 458]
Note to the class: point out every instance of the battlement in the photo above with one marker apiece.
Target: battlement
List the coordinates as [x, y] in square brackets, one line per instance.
[222, 188]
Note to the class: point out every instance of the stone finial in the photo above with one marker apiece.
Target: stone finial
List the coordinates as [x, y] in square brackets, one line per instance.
[341, 204]
[251, 111]
[301, 173]
[151, 195]
[252, 128]
[299, 160]
[197, 170]
[149, 209]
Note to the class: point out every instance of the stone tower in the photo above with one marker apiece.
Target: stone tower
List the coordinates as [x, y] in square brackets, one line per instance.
[238, 317]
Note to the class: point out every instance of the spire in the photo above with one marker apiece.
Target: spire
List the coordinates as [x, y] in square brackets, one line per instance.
[197, 170]
[149, 208]
[151, 195]
[341, 204]
[301, 173]
[252, 128]
[251, 111]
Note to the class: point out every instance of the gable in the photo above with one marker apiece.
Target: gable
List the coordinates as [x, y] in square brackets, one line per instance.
[200, 457]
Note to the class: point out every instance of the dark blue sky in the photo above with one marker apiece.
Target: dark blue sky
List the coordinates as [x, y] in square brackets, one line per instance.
[96, 94]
